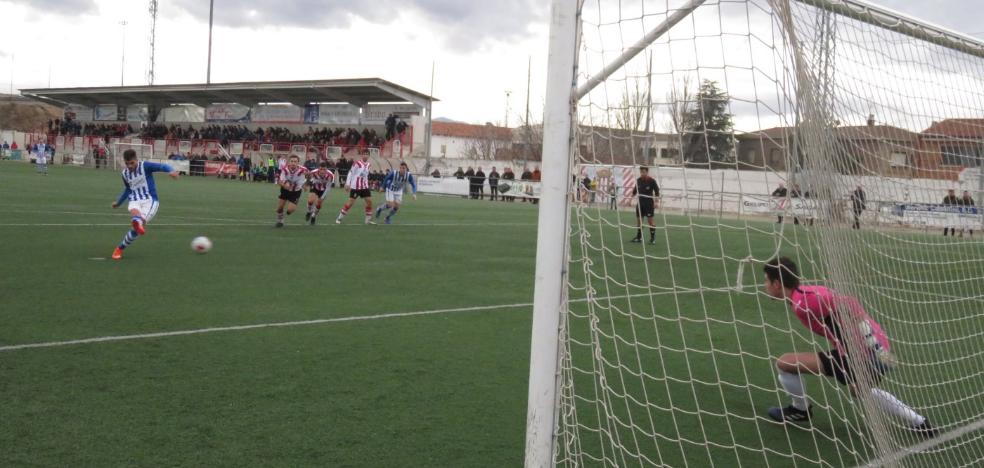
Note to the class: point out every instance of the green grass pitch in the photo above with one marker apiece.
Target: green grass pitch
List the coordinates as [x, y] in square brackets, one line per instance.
[366, 384]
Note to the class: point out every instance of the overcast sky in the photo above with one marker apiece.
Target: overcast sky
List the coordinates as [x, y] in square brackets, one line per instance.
[480, 47]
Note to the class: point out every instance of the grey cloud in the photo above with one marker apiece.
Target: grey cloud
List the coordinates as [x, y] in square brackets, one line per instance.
[464, 24]
[60, 7]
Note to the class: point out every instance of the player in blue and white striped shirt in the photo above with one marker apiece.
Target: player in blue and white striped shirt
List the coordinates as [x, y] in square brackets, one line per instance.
[139, 188]
[395, 184]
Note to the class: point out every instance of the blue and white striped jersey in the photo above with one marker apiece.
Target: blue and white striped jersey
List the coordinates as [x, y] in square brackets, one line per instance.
[139, 184]
[396, 182]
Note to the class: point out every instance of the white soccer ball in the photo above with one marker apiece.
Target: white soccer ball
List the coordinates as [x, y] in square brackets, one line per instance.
[201, 244]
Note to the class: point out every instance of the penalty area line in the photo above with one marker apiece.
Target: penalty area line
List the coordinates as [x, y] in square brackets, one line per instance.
[199, 331]
[142, 336]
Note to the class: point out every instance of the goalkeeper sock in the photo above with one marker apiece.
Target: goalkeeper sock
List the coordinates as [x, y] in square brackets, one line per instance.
[888, 403]
[793, 384]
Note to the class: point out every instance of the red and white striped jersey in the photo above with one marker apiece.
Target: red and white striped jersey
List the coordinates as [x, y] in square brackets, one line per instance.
[358, 175]
[321, 179]
[294, 178]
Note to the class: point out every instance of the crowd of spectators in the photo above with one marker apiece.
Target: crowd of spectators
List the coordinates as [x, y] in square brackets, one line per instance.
[72, 127]
[226, 133]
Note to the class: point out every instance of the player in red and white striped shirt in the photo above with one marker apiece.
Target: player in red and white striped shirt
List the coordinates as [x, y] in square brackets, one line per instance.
[291, 181]
[320, 181]
[358, 182]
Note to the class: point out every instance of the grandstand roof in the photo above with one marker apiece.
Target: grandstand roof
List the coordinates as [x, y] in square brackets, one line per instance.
[358, 92]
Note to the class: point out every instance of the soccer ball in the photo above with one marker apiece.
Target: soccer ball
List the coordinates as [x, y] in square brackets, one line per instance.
[201, 244]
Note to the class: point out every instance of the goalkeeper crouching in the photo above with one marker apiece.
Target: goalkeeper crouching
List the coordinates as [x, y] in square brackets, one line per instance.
[836, 318]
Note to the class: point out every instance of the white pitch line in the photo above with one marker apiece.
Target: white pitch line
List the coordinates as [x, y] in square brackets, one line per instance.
[53, 344]
[124, 225]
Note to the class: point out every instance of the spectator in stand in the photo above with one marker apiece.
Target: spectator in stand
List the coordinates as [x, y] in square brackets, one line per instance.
[967, 200]
[536, 175]
[508, 175]
[472, 189]
[436, 174]
[795, 193]
[343, 168]
[459, 174]
[585, 189]
[858, 205]
[480, 183]
[390, 126]
[612, 195]
[4, 149]
[950, 200]
[311, 164]
[780, 192]
[493, 184]
[526, 175]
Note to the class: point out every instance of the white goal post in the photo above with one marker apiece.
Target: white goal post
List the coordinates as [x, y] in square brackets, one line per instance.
[116, 150]
[656, 344]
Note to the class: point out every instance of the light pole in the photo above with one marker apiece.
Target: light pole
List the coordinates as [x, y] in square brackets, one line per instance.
[123, 51]
[505, 122]
[208, 73]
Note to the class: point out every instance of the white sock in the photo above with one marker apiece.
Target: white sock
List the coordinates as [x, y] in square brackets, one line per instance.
[793, 384]
[888, 403]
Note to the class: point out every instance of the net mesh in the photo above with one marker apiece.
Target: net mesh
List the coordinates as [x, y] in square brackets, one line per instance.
[761, 121]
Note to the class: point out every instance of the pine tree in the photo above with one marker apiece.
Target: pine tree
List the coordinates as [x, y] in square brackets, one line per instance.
[709, 136]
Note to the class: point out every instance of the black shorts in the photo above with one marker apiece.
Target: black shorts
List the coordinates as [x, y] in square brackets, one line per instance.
[319, 193]
[363, 193]
[833, 364]
[291, 196]
[646, 209]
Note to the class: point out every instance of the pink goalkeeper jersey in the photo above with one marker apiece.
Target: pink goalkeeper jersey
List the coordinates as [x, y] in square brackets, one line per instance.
[358, 175]
[813, 305]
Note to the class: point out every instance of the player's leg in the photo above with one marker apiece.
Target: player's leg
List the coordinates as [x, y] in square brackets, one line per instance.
[345, 208]
[368, 198]
[312, 199]
[280, 210]
[791, 366]
[638, 236]
[890, 404]
[394, 207]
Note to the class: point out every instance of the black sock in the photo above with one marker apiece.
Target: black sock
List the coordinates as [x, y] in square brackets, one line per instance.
[652, 234]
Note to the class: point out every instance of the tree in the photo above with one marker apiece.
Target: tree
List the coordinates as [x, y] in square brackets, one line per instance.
[632, 110]
[708, 128]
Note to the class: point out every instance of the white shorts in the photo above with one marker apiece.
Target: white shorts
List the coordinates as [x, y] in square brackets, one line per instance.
[392, 196]
[147, 208]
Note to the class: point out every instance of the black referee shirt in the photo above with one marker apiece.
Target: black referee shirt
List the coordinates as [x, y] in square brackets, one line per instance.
[646, 189]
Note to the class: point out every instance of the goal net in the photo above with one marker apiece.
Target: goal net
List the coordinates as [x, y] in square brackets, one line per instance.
[825, 131]
[144, 152]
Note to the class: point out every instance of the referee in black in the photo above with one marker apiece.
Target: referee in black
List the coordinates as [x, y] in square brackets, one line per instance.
[648, 192]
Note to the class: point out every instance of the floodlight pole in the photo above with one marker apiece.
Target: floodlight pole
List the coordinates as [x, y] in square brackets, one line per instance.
[552, 239]
[428, 127]
[208, 73]
[123, 52]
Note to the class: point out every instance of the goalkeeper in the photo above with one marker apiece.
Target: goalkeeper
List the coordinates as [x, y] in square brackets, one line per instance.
[815, 307]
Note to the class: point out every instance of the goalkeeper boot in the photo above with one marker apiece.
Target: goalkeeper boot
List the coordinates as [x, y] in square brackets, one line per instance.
[791, 413]
[925, 429]
[117, 253]
[636, 239]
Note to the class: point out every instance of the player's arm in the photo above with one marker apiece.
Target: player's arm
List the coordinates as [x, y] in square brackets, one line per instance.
[413, 185]
[155, 167]
[123, 196]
